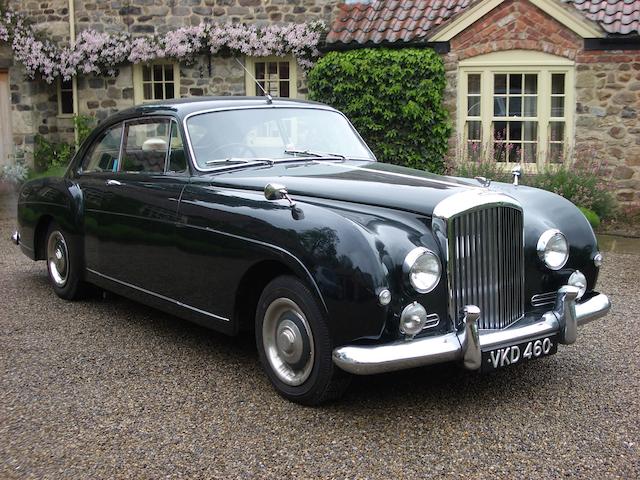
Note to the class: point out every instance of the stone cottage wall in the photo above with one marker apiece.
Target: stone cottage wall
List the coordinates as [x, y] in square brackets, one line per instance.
[607, 86]
[35, 106]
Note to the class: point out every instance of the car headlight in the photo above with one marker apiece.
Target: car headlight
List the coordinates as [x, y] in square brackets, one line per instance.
[553, 249]
[577, 279]
[423, 268]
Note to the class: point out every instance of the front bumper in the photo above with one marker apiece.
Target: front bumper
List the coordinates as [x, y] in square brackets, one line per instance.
[467, 344]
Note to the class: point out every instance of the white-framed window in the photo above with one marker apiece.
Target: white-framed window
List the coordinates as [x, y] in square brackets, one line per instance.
[276, 75]
[516, 107]
[65, 97]
[156, 81]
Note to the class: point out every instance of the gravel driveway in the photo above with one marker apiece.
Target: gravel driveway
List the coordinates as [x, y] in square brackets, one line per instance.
[112, 389]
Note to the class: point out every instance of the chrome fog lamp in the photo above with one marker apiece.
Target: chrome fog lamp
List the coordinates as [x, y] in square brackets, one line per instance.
[412, 319]
[577, 279]
[423, 268]
[553, 249]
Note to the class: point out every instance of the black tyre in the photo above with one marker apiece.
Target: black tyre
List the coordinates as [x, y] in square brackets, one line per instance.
[294, 344]
[64, 264]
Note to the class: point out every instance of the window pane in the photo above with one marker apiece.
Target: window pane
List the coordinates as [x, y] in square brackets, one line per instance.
[473, 101]
[556, 153]
[284, 70]
[474, 130]
[146, 146]
[515, 106]
[170, 90]
[500, 84]
[158, 92]
[147, 91]
[168, 73]
[157, 73]
[473, 82]
[557, 131]
[557, 106]
[273, 68]
[260, 70]
[515, 130]
[500, 152]
[284, 89]
[500, 106]
[474, 151]
[530, 131]
[177, 158]
[515, 83]
[515, 152]
[531, 83]
[500, 131]
[259, 91]
[103, 155]
[557, 83]
[530, 153]
[146, 73]
[530, 106]
[66, 102]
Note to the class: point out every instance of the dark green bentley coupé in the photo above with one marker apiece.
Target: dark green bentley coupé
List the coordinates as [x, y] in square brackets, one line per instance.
[273, 216]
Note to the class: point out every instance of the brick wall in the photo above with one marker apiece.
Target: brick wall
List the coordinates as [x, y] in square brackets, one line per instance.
[607, 86]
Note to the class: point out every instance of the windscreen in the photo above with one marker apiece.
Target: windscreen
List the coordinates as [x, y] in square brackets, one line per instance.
[272, 133]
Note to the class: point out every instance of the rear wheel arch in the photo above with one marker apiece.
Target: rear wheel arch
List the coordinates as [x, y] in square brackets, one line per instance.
[40, 237]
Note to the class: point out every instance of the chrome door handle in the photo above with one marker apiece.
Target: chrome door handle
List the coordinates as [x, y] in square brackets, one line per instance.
[114, 183]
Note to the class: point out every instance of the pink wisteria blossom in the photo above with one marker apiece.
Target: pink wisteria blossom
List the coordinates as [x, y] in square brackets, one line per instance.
[102, 53]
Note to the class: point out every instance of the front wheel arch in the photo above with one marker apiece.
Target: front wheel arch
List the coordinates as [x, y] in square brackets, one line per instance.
[40, 237]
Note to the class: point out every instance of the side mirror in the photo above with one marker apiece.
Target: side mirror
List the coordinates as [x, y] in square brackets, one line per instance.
[275, 191]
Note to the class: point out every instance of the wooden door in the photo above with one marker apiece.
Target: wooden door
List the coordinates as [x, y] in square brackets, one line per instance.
[6, 143]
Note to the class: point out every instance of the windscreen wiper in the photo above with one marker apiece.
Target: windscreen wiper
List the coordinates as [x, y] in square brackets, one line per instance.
[242, 161]
[311, 153]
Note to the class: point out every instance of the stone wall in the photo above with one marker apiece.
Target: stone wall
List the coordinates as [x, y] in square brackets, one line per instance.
[607, 86]
[607, 108]
[34, 103]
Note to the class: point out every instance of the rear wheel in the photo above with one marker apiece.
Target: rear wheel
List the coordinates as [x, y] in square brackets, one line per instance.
[64, 264]
[294, 344]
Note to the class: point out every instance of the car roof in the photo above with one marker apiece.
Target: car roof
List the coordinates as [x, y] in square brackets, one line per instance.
[185, 106]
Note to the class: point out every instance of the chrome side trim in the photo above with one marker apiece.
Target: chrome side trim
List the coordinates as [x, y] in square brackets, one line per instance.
[464, 345]
[157, 295]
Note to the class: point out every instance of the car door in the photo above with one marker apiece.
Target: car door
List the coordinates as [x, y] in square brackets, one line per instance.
[97, 167]
[140, 206]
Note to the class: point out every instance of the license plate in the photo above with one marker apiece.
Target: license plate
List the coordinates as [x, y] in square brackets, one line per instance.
[514, 354]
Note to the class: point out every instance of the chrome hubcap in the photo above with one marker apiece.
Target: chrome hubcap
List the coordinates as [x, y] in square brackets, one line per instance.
[287, 341]
[58, 259]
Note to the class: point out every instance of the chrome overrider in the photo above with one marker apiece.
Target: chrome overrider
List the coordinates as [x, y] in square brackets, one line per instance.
[467, 344]
[15, 237]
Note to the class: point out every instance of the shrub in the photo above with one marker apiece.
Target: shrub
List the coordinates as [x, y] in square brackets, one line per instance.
[47, 154]
[394, 99]
[592, 216]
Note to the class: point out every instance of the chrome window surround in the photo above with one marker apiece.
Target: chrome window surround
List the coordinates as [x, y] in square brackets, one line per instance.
[194, 162]
[460, 204]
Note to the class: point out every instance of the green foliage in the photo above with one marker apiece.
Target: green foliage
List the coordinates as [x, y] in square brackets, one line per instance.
[57, 171]
[394, 99]
[47, 154]
[84, 125]
[592, 216]
[586, 184]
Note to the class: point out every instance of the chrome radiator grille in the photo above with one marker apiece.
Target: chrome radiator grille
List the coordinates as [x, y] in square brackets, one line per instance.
[486, 265]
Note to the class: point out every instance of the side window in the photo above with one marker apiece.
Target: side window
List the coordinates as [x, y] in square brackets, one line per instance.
[177, 158]
[146, 144]
[103, 155]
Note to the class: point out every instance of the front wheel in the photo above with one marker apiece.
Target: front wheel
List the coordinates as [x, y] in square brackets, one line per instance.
[294, 344]
[64, 264]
